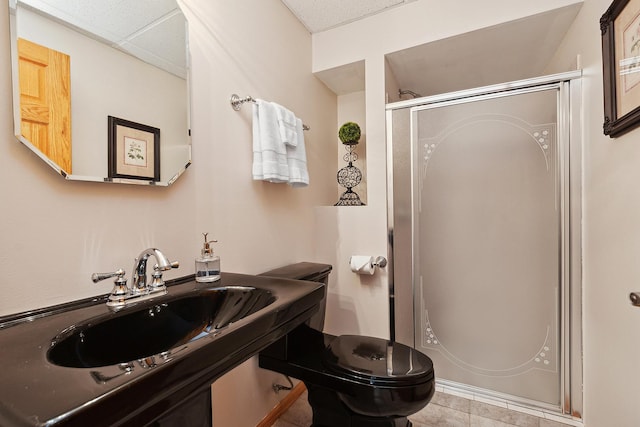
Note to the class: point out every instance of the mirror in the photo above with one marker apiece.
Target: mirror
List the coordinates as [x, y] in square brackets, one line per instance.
[123, 68]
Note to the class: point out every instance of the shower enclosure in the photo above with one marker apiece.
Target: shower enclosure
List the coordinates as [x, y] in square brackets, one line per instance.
[484, 226]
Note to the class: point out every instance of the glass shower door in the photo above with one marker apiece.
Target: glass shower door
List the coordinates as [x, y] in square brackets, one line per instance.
[487, 236]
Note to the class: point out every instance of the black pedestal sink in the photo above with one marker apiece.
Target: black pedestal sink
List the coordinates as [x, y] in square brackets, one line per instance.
[82, 364]
[156, 328]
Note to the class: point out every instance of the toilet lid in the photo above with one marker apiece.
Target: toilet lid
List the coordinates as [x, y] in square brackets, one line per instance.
[377, 360]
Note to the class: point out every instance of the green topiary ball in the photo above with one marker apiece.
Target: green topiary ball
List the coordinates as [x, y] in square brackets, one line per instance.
[349, 133]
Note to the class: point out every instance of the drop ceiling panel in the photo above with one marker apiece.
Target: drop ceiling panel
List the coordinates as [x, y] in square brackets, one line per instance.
[320, 15]
[113, 19]
[162, 44]
[152, 30]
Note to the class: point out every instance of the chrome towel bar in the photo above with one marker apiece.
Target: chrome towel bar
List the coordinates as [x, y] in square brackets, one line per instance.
[236, 103]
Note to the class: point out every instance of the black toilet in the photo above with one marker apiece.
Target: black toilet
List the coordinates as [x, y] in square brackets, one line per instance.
[352, 380]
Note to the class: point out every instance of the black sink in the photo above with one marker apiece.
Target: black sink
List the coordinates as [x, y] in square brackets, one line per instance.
[81, 363]
[156, 328]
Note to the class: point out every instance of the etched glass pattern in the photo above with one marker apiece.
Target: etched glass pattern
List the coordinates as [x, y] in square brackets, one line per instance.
[487, 243]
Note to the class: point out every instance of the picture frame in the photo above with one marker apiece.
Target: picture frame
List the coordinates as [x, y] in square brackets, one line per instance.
[620, 28]
[133, 150]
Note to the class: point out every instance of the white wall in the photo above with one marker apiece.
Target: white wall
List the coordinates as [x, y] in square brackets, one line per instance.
[55, 233]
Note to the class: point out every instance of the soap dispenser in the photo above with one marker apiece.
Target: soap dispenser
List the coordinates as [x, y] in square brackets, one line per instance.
[208, 265]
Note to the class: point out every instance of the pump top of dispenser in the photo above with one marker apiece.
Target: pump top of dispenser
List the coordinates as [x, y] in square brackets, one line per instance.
[208, 265]
[207, 250]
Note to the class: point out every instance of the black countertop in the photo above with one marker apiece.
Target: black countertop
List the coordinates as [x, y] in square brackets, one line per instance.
[35, 392]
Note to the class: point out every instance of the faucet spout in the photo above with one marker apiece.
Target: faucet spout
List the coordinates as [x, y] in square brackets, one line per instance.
[140, 288]
[139, 278]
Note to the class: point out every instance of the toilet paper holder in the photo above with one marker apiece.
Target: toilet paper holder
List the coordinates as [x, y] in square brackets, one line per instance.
[365, 264]
[380, 262]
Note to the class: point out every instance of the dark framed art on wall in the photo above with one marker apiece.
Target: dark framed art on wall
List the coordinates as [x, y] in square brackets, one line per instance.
[620, 28]
[134, 150]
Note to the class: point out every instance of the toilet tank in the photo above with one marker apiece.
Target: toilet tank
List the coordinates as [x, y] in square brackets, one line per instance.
[309, 271]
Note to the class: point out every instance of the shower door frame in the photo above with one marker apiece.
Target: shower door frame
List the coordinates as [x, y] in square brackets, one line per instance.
[400, 221]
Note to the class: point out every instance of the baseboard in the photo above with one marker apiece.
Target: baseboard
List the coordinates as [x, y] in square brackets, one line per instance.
[282, 406]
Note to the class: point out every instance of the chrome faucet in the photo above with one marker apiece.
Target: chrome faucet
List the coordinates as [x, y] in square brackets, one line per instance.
[122, 295]
[139, 279]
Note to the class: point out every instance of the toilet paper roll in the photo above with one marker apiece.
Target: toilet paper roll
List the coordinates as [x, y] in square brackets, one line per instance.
[362, 264]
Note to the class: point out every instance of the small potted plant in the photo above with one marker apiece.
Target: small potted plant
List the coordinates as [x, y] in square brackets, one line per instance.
[349, 176]
[349, 133]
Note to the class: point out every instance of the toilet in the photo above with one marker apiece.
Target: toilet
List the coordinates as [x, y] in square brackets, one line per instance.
[352, 380]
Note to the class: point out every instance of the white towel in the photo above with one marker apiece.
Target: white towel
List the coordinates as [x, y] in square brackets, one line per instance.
[286, 125]
[269, 153]
[297, 160]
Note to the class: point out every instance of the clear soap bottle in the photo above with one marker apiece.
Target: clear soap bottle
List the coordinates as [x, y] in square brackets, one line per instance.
[208, 265]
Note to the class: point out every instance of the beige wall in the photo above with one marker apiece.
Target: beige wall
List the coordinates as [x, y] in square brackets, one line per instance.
[363, 230]
[351, 108]
[611, 201]
[56, 233]
[254, 48]
[611, 228]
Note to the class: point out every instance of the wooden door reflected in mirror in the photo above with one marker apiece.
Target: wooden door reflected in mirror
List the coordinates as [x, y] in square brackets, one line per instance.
[45, 101]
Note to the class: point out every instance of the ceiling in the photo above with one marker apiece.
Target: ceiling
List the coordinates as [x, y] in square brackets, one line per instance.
[515, 50]
[152, 30]
[510, 51]
[320, 15]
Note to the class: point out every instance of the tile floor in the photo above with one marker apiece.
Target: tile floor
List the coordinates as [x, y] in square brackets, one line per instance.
[444, 410]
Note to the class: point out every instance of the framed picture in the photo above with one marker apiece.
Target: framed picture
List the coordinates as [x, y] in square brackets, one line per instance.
[134, 150]
[620, 27]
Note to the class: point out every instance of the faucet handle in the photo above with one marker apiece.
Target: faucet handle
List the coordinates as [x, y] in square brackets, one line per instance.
[97, 277]
[120, 289]
[174, 264]
[157, 284]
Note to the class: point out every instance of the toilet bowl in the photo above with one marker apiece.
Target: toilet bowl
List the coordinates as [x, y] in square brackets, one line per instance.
[352, 380]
